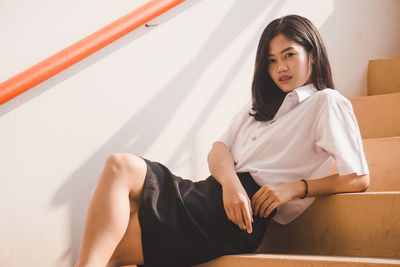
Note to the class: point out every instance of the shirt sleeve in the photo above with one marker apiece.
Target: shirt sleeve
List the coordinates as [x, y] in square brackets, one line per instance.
[228, 138]
[338, 134]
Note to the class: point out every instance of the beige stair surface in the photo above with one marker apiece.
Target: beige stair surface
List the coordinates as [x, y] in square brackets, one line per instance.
[278, 260]
[383, 157]
[383, 76]
[348, 224]
[378, 116]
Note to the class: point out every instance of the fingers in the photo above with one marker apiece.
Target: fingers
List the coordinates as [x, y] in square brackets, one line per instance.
[231, 215]
[258, 199]
[248, 218]
[256, 196]
[255, 200]
[265, 207]
[239, 219]
[241, 215]
[244, 218]
[264, 202]
[270, 208]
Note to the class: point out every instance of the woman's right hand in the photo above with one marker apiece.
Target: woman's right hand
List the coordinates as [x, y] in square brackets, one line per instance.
[238, 206]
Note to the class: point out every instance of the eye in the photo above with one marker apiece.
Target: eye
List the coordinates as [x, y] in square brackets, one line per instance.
[289, 54]
[270, 60]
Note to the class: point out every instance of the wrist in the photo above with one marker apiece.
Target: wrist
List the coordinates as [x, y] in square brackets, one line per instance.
[230, 183]
[305, 190]
[301, 189]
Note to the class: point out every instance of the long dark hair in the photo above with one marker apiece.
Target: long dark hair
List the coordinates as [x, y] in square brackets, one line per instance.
[266, 95]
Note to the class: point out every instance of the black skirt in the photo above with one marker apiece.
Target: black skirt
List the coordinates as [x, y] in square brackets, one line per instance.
[184, 223]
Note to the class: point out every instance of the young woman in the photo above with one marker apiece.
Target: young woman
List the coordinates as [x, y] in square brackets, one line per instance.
[270, 164]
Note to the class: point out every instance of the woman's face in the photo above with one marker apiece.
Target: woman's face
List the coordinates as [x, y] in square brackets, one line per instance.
[288, 63]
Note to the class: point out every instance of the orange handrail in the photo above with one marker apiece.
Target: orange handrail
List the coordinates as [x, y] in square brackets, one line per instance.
[67, 57]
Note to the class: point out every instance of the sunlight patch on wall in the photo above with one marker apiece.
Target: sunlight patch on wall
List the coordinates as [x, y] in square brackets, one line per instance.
[308, 9]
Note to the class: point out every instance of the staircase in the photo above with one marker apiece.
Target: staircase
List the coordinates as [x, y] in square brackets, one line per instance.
[349, 229]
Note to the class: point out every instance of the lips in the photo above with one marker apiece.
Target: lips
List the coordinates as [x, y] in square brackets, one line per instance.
[284, 78]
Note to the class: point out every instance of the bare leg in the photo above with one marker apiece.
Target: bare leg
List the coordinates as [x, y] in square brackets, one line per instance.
[117, 194]
[129, 251]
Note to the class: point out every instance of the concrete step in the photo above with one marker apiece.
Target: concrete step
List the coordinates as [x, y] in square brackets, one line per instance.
[351, 224]
[383, 157]
[277, 260]
[383, 76]
[378, 116]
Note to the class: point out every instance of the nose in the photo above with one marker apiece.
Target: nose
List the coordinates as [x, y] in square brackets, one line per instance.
[282, 66]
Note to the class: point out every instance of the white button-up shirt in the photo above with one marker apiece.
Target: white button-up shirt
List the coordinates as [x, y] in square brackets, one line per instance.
[309, 132]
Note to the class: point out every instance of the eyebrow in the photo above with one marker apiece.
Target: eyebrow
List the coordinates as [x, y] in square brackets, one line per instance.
[283, 51]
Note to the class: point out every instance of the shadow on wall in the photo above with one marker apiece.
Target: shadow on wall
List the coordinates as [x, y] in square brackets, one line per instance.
[146, 125]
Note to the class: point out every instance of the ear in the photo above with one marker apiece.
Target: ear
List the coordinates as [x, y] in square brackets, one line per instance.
[311, 57]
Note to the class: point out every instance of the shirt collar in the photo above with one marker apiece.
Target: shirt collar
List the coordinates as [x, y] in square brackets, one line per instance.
[304, 92]
[294, 98]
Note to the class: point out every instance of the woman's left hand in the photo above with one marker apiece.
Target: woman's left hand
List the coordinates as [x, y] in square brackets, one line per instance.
[269, 197]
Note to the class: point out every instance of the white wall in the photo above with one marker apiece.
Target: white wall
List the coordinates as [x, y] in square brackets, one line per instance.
[164, 92]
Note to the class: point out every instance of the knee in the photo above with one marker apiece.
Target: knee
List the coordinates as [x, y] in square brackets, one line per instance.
[125, 170]
[123, 162]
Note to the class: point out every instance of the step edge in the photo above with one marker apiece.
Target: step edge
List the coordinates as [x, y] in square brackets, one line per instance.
[383, 138]
[384, 59]
[364, 193]
[387, 95]
[316, 258]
